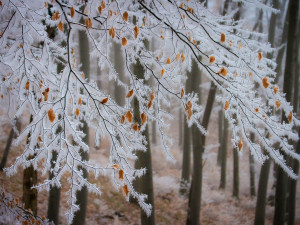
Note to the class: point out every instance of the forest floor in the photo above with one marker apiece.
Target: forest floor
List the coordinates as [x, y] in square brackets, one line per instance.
[218, 206]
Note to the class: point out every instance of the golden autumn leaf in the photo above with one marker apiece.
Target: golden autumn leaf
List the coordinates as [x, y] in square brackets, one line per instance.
[222, 71]
[72, 12]
[2, 96]
[240, 45]
[188, 105]
[162, 37]
[168, 61]
[136, 32]
[112, 32]
[143, 118]
[88, 23]
[122, 119]
[100, 9]
[256, 109]
[222, 37]
[259, 56]
[79, 101]
[116, 166]
[110, 13]
[129, 94]
[290, 116]
[27, 85]
[129, 116]
[60, 26]
[162, 72]
[125, 16]
[103, 4]
[55, 16]
[181, 93]
[125, 189]
[226, 106]
[152, 96]
[177, 57]
[265, 82]
[135, 127]
[250, 74]
[121, 174]
[51, 115]
[182, 57]
[277, 103]
[240, 145]
[190, 113]
[211, 59]
[103, 101]
[149, 104]
[275, 89]
[77, 112]
[124, 41]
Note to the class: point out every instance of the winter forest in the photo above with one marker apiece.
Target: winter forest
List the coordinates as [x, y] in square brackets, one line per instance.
[149, 112]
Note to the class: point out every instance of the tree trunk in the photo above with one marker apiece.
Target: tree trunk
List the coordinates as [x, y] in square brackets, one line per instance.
[186, 157]
[82, 195]
[193, 217]
[295, 163]
[224, 155]
[220, 132]
[30, 180]
[8, 145]
[281, 188]
[144, 184]
[262, 193]
[236, 180]
[252, 169]
[119, 66]
[180, 128]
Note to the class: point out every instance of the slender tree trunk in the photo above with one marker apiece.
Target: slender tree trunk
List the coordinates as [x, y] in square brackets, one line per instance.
[295, 163]
[281, 188]
[82, 195]
[180, 128]
[154, 132]
[220, 132]
[54, 193]
[30, 180]
[144, 184]
[262, 193]
[224, 155]
[186, 158]
[236, 179]
[252, 169]
[8, 145]
[193, 217]
[119, 65]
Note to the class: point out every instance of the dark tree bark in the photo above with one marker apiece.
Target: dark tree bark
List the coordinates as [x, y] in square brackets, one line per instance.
[281, 188]
[262, 193]
[236, 180]
[186, 158]
[54, 193]
[193, 217]
[30, 180]
[252, 169]
[220, 133]
[295, 163]
[180, 128]
[119, 66]
[224, 155]
[8, 145]
[144, 184]
[82, 195]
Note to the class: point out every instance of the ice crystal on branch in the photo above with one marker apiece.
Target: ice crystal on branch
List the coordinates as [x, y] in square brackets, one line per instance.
[182, 32]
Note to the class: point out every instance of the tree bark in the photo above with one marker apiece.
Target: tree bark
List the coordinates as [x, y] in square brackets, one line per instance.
[281, 188]
[30, 180]
[82, 195]
[224, 155]
[193, 217]
[8, 145]
[186, 157]
[220, 132]
[252, 169]
[262, 193]
[236, 180]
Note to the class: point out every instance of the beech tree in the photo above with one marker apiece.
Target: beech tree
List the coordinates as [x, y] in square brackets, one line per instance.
[184, 31]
